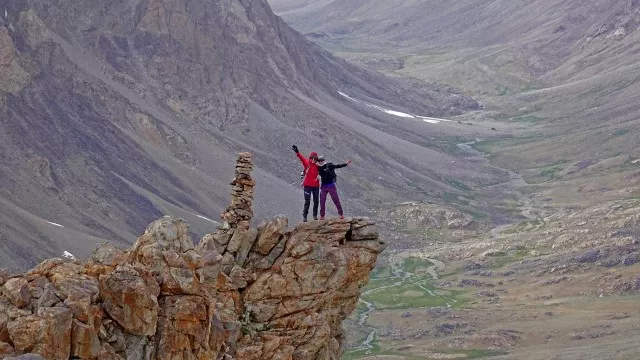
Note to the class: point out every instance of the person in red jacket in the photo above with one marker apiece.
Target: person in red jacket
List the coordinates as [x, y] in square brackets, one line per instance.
[310, 182]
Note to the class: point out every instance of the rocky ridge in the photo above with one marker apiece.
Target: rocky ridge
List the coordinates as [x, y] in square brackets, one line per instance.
[241, 293]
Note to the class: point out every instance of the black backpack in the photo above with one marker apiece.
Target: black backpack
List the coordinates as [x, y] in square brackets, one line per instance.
[331, 171]
[333, 174]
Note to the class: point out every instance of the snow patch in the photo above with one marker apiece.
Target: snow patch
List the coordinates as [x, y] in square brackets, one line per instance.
[398, 113]
[347, 96]
[52, 223]
[431, 120]
[401, 114]
[395, 113]
[68, 255]
[206, 218]
[6, 14]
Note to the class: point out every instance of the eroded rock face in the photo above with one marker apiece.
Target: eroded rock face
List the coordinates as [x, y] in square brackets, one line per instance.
[131, 298]
[266, 293]
[13, 77]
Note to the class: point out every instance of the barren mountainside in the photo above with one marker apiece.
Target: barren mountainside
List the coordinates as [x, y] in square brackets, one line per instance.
[115, 113]
[544, 34]
[560, 77]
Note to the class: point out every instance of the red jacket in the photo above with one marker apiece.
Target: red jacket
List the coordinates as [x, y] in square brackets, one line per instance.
[311, 172]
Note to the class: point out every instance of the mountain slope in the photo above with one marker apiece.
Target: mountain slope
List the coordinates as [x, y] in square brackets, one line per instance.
[567, 72]
[536, 37]
[114, 113]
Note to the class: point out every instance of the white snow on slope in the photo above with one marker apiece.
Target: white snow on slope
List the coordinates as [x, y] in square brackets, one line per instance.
[347, 96]
[395, 113]
[52, 223]
[426, 119]
[206, 218]
[431, 120]
[68, 255]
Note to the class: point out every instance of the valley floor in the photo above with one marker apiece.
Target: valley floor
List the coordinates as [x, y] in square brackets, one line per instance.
[560, 287]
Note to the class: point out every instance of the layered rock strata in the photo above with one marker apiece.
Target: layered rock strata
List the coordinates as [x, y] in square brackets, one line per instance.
[241, 293]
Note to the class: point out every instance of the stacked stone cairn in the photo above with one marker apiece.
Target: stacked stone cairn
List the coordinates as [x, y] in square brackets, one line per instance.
[239, 213]
[235, 238]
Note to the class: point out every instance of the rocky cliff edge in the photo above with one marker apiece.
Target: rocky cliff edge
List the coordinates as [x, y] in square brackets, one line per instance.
[241, 293]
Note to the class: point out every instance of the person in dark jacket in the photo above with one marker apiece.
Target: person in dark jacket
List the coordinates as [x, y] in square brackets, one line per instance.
[328, 178]
[310, 182]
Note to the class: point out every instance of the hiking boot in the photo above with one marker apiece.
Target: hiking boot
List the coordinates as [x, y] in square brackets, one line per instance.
[304, 220]
[342, 217]
[315, 218]
[321, 217]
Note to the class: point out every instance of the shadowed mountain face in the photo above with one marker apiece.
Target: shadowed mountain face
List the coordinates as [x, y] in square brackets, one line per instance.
[116, 112]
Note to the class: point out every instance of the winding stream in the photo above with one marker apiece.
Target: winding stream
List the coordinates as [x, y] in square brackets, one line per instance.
[402, 277]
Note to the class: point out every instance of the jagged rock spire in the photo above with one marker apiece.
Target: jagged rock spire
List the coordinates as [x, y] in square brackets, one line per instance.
[242, 293]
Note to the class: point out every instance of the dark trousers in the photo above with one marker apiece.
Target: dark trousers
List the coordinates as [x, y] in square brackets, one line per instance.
[333, 192]
[308, 191]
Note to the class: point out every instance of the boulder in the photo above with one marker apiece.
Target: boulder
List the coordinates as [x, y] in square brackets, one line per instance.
[270, 233]
[366, 232]
[24, 332]
[177, 281]
[85, 343]
[182, 328]
[245, 247]
[240, 236]
[70, 280]
[55, 336]
[130, 298]
[48, 297]
[164, 234]
[47, 333]
[17, 290]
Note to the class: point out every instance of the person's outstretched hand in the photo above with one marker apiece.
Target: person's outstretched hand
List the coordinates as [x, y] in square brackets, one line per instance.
[295, 148]
[348, 162]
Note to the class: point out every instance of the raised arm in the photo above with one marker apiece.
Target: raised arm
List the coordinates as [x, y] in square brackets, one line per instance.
[338, 166]
[303, 160]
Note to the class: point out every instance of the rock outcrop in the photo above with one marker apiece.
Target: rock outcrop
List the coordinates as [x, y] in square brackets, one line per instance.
[241, 293]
